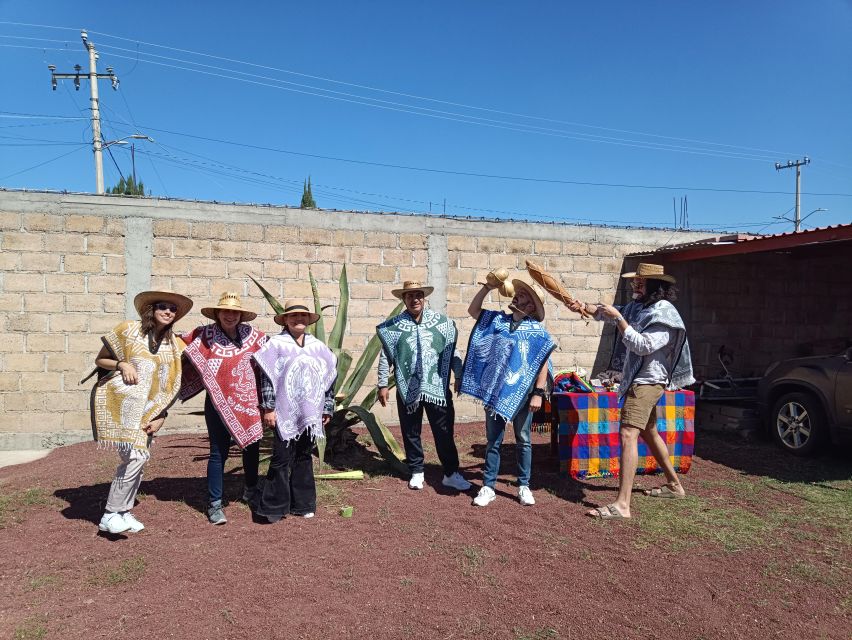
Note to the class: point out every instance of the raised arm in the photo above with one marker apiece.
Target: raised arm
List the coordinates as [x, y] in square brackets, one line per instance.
[475, 307]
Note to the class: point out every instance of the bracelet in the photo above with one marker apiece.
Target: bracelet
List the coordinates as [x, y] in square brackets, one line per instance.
[118, 362]
[538, 391]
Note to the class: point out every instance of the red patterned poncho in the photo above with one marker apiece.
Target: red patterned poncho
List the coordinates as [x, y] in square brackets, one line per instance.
[226, 371]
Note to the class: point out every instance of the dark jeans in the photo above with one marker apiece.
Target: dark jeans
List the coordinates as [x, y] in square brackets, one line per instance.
[290, 487]
[220, 447]
[442, 420]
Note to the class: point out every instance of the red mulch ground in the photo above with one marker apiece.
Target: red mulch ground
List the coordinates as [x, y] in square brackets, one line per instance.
[744, 557]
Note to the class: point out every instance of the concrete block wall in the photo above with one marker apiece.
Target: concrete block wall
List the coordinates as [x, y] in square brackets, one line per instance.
[68, 262]
[763, 306]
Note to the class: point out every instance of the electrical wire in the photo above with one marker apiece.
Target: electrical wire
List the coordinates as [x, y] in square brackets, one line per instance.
[40, 164]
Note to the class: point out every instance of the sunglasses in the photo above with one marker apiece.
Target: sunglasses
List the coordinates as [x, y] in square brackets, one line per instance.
[166, 306]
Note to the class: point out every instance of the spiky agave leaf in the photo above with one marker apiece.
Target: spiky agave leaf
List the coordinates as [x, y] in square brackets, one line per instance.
[344, 361]
[335, 340]
[370, 399]
[269, 297]
[385, 442]
[317, 329]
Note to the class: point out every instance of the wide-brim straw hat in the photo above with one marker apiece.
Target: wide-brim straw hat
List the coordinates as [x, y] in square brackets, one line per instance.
[535, 292]
[296, 305]
[648, 270]
[182, 303]
[229, 301]
[412, 285]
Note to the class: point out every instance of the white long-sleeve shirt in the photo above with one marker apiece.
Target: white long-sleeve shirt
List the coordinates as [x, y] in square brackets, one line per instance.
[656, 344]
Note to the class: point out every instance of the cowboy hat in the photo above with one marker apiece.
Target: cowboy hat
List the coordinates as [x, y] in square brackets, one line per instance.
[648, 270]
[182, 303]
[229, 301]
[411, 285]
[296, 305]
[535, 293]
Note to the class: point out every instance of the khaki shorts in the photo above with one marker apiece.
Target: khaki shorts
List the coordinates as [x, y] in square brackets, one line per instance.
[640, 405]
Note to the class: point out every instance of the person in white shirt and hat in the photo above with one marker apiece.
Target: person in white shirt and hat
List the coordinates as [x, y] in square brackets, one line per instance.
[658, 358]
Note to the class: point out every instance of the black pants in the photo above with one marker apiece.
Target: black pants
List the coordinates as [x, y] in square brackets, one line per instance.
[290, 487]
[442, 421]
[220, 447]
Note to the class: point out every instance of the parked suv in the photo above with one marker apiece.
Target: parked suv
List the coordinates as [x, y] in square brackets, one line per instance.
[808, 401]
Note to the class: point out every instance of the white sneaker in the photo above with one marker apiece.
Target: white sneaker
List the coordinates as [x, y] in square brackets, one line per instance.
[525, 496]
[485, 497]
[456, 482]
[310, 514]
[113, 523]
[134, 526]
[416, 481]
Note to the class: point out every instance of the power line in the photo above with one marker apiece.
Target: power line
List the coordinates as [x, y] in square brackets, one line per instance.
[41, 164]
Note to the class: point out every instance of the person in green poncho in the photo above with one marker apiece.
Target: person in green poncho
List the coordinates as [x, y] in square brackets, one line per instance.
[420, 344]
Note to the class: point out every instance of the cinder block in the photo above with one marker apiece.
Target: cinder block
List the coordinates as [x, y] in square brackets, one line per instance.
[228, 249]
[115, 264]
[209, 230]
[412, 241]
[11, 260]
[64, 243]
[105, 284]
[337, 255]
[10, 221]
[419, 274]
[308, 235]
[83, 263]
[281, 234]
[23, 362]
[10, 381]
[490, 244]
[42, 222]
[602, 249]
[23, 282]
[279, 270]
[242, 269]
[249, 232]
[22, 241]
[48, 302]
[381, 239]
[211, 268]
[84, 224]
[191, 248]
[73, 322]
[506, 261]
[364, 255]
[105, 245]
[396, 257]
[519, 245]
[461, 243]
[544, 247]
[37, 261]
[171, 229]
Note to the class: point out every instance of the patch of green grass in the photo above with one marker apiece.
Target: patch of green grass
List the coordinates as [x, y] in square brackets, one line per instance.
[126, 572]
[31, 629]
[14, 505]
[538, 634]
[330, 493]
[681, 524]
[471, 559]
[42, 582]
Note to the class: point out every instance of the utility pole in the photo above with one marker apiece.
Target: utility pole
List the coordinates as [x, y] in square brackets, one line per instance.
[97, 141]
[798, 164]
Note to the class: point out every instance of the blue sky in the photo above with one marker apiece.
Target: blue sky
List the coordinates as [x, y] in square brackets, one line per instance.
[562, 101]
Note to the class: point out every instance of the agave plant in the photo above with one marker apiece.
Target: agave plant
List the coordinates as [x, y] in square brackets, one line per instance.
[339, 434]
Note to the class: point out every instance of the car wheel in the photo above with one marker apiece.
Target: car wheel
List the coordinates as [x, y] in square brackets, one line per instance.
[798, 423]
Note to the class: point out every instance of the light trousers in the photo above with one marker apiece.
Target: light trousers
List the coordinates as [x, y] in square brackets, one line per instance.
[128, 477]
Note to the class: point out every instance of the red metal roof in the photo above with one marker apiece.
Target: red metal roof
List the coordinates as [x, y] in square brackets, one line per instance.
[743, 243]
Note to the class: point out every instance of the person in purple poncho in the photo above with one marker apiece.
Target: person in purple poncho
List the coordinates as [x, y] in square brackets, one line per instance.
[296, 401]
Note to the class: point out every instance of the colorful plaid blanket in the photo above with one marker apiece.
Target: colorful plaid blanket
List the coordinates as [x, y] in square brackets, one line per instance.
[226, 371]
[588, 426]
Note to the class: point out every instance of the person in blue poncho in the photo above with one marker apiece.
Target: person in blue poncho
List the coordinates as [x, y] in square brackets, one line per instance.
[506, 370]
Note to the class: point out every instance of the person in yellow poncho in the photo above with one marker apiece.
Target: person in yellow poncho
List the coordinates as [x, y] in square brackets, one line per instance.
[139, 370]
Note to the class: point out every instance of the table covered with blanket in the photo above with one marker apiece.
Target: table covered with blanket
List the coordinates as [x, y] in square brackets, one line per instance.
[585, 429]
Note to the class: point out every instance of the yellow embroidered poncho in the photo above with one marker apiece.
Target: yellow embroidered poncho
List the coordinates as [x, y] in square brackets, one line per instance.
[120, 410]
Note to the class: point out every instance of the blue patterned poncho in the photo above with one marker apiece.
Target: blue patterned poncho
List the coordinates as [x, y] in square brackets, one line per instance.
[501, 364]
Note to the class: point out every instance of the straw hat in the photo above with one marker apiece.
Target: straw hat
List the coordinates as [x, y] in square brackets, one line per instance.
[182, 303]
[648, 270]
[412, 285]
[535, 292]
[229, 301]
[296, 305]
